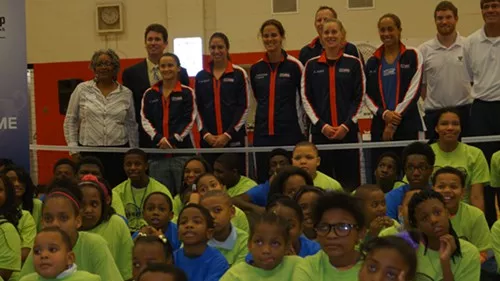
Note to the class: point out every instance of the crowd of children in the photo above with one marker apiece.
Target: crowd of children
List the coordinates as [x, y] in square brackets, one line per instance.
[298, 225]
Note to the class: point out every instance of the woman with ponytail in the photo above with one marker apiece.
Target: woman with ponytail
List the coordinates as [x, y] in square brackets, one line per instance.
[441, 254]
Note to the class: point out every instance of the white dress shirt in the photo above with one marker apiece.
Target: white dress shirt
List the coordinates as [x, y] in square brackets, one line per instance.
[93, 119]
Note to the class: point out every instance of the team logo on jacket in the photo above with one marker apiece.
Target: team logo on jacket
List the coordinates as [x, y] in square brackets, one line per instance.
[203, 81]
[261, 76]
[405, 66]
[176, 98]
[155, 100]
[285, 75]
[319, 71]
[230, 80]
[344, 70]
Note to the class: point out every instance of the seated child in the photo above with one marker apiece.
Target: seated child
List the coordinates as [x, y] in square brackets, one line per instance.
[99, 217]
[306, 156]
[255, 199]
[149, 249]
[418, 164]
[132, 192]
[208, 182]
[54, 259]
[287, 182]
[158, 214]
[228, 239]
[162, 272]
[193, 168]
[64, 168]
[268, 244]
[307, 198]
[373, 200]
[340, 225]
[387, 172]
[389, 258]
[441, 255]
[200, 261]
[468, 221]
[402, 216]
[226, 169]
[62, 208]
[291, 211]
[10, 240]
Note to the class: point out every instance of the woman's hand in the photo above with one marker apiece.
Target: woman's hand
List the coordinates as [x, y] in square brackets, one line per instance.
[210, 139]
[329, 131]
[221, 141]
[389, 131]
[340, 133]
[392, 117]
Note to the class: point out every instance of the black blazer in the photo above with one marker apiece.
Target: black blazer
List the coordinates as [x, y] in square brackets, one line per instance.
[136, 78]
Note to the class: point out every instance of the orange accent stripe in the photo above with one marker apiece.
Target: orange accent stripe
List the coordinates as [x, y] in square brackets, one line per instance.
[272, 96]
[166, 109]
[218, 117]
[333, 95]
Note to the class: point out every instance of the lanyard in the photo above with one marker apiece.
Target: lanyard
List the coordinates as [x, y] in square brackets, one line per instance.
[143, 195]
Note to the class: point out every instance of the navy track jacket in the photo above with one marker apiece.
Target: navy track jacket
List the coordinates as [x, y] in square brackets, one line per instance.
[276, 89]
[222, 103]
[409, 77]
[333, 92]
[171, 118]
[315, 49]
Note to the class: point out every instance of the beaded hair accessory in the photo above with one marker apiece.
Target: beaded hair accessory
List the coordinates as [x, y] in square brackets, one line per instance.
[162, 237]
[407, 237]
[93, 180]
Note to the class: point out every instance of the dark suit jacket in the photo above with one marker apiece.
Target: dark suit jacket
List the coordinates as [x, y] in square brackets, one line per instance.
[137, 80]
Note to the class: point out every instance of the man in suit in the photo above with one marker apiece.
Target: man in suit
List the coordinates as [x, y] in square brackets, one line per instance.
[141, 76]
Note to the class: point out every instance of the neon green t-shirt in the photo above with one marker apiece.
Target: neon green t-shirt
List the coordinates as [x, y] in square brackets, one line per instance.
[239, 249]
[118, 206]
[495, 170]
[325, 182]
[467, 267]
[389, 231]
[495, 241]
[79, 275]
[319, 268]
[468, 158]
[92, 255]
[470, 224]
[120, 243]
[37, 213]
[246, 272]
[243, 185]
[27, 229]
[133, 200]
[177, 206]
[10, 245]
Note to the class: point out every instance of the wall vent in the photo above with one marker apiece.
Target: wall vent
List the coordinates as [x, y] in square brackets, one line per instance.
[285, 6]
[360, 4]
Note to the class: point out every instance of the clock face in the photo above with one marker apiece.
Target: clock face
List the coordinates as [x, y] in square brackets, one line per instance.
[110, 15]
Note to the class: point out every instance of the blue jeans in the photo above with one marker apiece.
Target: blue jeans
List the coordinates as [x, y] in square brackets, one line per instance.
[168, 171]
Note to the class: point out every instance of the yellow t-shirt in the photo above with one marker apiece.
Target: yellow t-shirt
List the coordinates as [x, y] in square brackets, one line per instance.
[120, 243]
[246, 272]
[243, 185]
[10, 245]
[319, 268]
[133, 200]
[325, 182]
[76, 276]
[495, 170]
[235, 248]
[27, 229]
[470, 224]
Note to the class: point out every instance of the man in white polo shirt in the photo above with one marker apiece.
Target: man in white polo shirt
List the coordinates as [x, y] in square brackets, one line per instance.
[445, 84]
[482, 64]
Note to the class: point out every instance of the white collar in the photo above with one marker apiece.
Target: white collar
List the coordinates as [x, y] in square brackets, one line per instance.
[438, 45]
[228, 244]
[67, 272]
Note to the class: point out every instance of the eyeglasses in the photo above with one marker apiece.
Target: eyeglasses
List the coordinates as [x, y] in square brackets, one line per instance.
[340, 229]
[104, 63]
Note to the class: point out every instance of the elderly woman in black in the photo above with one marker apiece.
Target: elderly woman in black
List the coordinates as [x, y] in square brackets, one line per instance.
[101, 114]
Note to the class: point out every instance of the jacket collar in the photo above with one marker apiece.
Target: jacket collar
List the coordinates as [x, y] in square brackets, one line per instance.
[380, 51]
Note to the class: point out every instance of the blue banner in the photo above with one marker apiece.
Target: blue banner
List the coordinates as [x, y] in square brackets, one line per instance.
[14, 97]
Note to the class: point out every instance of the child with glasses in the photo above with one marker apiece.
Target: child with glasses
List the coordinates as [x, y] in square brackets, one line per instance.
[418, 164]
[340, 225]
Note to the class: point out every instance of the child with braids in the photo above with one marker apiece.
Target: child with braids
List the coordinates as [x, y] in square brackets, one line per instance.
[441, 254]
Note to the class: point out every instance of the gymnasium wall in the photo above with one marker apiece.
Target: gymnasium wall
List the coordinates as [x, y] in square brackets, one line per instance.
[61, 38]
